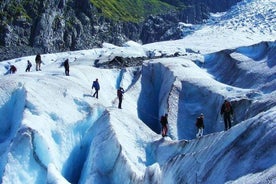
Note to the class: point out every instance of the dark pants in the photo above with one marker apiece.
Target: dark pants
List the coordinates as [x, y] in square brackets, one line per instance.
[28, 69]
[227, 120]
[67, 72]
[120, 102]
[96, 93]
[164, 130]
[37, 67]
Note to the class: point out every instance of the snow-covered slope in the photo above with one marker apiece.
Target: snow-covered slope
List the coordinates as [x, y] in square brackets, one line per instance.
[247, 23]
[54, 131]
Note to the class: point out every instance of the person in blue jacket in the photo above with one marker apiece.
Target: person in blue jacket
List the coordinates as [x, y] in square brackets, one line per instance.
[96, 85]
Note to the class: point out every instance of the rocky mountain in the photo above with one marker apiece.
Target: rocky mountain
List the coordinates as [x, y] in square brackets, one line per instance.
[46, 26]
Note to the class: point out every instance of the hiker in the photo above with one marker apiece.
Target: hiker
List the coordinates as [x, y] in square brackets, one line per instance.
[226, 111]
[66, 67]
[120, 93]
[164, 123]
[96, 85]
[29, 65]
[12, 69]
[38, 62]
[200, 125]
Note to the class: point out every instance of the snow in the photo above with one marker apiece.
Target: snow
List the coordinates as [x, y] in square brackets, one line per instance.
[53, 131]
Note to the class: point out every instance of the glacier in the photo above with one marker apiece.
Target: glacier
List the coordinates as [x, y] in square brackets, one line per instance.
[53, 131]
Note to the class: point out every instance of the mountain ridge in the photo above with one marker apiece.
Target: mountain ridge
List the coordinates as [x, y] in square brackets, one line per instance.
[28, 28]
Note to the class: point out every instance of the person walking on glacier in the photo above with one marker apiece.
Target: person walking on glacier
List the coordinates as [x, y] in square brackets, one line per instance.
[12, 69]
[96, 85]
[38, 62]
[164, 123]
[120, 93]
[66, 67]
[29, 65]
[200, 125]
[227, 112]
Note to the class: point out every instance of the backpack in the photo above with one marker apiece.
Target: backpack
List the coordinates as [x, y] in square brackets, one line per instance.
[13, 69]
[227, 107]
[119, 93]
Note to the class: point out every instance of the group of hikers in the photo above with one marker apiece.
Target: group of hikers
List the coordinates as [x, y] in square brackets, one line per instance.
[65, 64]
[226, 108]
[38, 61]
[12, 69]
[120, 92]
[226, 111]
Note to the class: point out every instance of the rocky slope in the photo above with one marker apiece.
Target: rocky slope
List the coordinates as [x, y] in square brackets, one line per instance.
[45, 26]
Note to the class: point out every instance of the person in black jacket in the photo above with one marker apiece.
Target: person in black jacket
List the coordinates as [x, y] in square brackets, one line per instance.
[200, 125]
[227, 112]
[38, 62]
[66, 67]
[120, 93]
[29, 65]
[164, 123]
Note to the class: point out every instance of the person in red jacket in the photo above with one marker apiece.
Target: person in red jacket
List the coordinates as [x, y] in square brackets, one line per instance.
[164, 123]
[12, 69]
[227, 112]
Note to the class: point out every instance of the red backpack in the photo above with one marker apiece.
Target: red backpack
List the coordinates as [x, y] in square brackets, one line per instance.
[227, 107]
